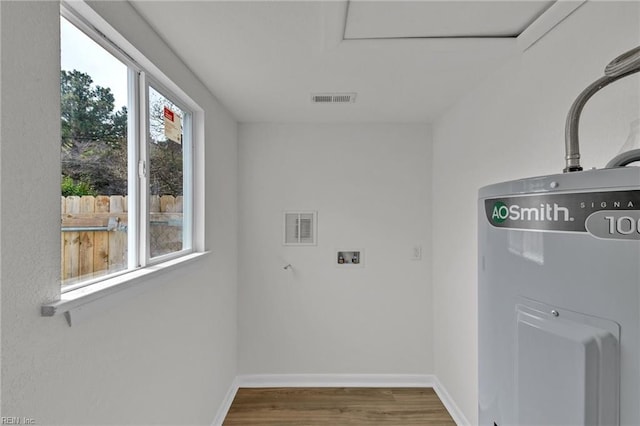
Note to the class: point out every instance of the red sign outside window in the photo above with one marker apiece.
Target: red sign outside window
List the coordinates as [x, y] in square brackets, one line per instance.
[168, 114]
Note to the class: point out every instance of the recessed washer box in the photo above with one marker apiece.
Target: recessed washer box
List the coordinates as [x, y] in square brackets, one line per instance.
[349, 258]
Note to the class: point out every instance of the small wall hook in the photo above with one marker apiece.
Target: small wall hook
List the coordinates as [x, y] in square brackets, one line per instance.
[288, 266]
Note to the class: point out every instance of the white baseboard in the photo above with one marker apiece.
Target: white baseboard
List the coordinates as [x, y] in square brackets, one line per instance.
[226, 403]
[335, 380]
[453, 409]
[340, 380]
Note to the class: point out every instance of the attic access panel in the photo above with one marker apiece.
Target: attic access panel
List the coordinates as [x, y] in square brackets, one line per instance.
[441, 19]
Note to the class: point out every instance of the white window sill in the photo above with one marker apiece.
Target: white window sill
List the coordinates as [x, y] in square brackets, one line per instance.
[77, 304]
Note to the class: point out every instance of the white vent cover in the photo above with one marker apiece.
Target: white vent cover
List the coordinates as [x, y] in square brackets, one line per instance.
[333, 98]
[300, 228]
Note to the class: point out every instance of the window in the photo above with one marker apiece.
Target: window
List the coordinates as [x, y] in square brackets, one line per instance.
[126, 160]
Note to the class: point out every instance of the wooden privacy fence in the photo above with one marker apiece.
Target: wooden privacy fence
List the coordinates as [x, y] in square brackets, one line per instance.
[94, 233]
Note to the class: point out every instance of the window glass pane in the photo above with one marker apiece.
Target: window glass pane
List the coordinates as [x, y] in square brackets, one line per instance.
[94, 122]
[166, 181]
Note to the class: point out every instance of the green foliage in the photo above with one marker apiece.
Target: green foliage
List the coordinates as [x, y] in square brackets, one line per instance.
[69, 187]
[94, 145]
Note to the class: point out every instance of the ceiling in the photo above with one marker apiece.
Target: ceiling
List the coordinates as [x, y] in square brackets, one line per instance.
[407, 61]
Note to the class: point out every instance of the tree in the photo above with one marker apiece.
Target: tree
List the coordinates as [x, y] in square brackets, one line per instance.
[165, 167]
[94, 145]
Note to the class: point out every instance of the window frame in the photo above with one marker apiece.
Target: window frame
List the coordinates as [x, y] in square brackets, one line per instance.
[139, 80]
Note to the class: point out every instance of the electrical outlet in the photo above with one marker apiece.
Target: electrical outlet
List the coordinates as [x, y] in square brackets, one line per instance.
[417, 253]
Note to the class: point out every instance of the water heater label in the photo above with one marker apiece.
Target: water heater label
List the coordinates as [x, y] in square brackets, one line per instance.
[610, 215]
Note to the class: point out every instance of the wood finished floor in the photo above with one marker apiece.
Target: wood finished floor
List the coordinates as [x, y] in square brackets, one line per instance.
[337, 406]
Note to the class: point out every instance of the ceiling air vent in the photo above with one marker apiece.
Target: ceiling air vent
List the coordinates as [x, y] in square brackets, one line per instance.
[333, 98]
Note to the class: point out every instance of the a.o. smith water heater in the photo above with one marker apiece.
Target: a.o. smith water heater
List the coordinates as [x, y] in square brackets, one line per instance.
[559, 290]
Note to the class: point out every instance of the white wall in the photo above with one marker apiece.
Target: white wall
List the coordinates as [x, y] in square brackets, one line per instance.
[367, 183]
[512, 127]
[165, 356]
